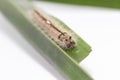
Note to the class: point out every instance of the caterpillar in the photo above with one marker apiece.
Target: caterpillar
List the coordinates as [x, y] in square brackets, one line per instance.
[56, 32]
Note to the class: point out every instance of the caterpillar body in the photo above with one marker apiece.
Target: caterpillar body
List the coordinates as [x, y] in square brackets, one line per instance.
[57, 33]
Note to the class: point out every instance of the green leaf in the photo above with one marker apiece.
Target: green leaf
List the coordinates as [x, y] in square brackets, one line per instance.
[65, 62]
[98, 3]
[81, 50]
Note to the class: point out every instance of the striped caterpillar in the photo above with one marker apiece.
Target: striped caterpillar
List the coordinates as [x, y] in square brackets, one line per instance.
[57, 33]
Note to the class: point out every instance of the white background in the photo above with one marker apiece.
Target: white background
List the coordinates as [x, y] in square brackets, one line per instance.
[98, 26]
